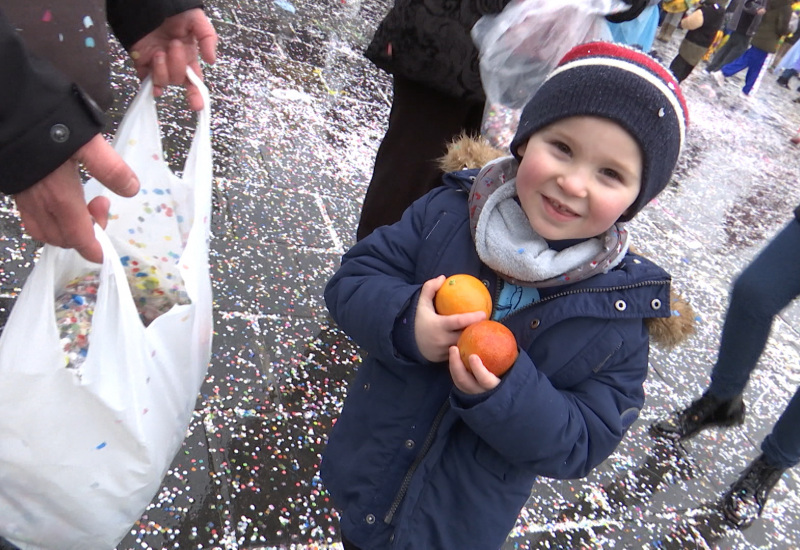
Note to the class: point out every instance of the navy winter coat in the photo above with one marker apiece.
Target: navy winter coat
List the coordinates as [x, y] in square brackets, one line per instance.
[413, 463]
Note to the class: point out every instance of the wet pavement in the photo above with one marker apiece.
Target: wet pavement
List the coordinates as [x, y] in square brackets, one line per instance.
[298, 114]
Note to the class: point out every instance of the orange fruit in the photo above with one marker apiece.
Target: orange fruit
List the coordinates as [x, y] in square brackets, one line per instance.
[493, 342]
[462, 293]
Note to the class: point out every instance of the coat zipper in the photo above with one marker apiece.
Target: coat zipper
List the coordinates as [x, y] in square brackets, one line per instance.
[582, 290]
[401, 493]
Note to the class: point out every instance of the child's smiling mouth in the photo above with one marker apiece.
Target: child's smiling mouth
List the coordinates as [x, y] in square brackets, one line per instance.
[558, 208]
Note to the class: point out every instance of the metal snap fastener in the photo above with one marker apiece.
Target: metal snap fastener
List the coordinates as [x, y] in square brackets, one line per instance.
[655, 304]
[59, 133]
[370, 519]
[409, 444]
[620, 305]
[535, 323]
[485, 283]
[366, 386]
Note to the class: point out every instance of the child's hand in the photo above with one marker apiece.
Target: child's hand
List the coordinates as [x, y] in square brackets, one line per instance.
[476, 380]
[436, 333]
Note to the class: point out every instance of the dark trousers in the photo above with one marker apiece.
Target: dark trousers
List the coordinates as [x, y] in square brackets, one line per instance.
[786, 76]
[760, 292]
[680, 68]
[422, 123]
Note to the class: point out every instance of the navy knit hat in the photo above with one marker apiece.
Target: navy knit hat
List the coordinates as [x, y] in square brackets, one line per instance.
[624, 85]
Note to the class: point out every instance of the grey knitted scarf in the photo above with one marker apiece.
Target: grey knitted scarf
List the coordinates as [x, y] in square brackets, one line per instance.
[506, 242]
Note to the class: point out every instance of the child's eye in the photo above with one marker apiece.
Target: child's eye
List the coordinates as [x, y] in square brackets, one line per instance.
[562, 147]
[610, 173]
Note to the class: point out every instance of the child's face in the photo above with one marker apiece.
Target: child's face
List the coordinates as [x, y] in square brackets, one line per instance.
[577, 177]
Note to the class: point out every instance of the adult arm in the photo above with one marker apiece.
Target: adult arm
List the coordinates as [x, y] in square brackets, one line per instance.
[45, 117]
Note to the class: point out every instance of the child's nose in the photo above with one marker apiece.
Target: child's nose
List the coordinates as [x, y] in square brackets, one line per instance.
[573, 183]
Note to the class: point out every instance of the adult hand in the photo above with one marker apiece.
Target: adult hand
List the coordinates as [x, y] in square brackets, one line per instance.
[436, 333]
[167, 51]
[476, 379]
[54, 210]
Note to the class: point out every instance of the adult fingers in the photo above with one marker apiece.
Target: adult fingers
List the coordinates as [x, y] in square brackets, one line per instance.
[159, 71]
[207, 40]
[54, 211]
[193, 96]
[98, 209]
[178, 59]
[103, 163]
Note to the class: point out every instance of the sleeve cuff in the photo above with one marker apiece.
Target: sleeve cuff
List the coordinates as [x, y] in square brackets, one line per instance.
[50, 142]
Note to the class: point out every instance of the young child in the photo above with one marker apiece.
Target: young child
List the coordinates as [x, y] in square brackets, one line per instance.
[428, 455]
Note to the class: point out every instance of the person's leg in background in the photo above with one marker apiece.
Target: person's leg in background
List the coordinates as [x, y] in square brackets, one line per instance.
[764, 289]
[680, 68]
[755, 65]
[786, 76]
[739, 64]
[735, 46]
[422, 123]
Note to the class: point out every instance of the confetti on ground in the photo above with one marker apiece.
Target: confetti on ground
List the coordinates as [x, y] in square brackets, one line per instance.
[298, 115]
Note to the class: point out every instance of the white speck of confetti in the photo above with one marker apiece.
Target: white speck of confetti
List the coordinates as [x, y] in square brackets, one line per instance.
[87, 21]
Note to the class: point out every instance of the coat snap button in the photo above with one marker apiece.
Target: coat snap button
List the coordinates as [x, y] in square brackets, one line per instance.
[370, 519]
[59, 133]
[655, 304]
[535, 323]
[366, 386]
[409, 443]
[620, 305]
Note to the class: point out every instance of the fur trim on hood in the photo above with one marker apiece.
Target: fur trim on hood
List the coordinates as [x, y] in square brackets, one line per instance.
[467, 152]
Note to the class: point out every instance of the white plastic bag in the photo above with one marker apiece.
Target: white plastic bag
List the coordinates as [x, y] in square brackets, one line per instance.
[522, 44]
[83, 451]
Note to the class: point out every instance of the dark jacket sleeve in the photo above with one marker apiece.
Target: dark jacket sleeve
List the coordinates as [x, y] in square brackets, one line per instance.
[44, 118]
[131, 20]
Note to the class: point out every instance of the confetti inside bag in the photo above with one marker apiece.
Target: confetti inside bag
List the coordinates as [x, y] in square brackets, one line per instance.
[84, 450]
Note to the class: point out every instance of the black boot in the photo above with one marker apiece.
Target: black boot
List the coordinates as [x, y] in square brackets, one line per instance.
[705, 412]
[745, 500]
[785, 77]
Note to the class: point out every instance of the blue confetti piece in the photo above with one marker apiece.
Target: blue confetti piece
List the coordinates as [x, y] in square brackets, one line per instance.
[103, 444]
[89, 42]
